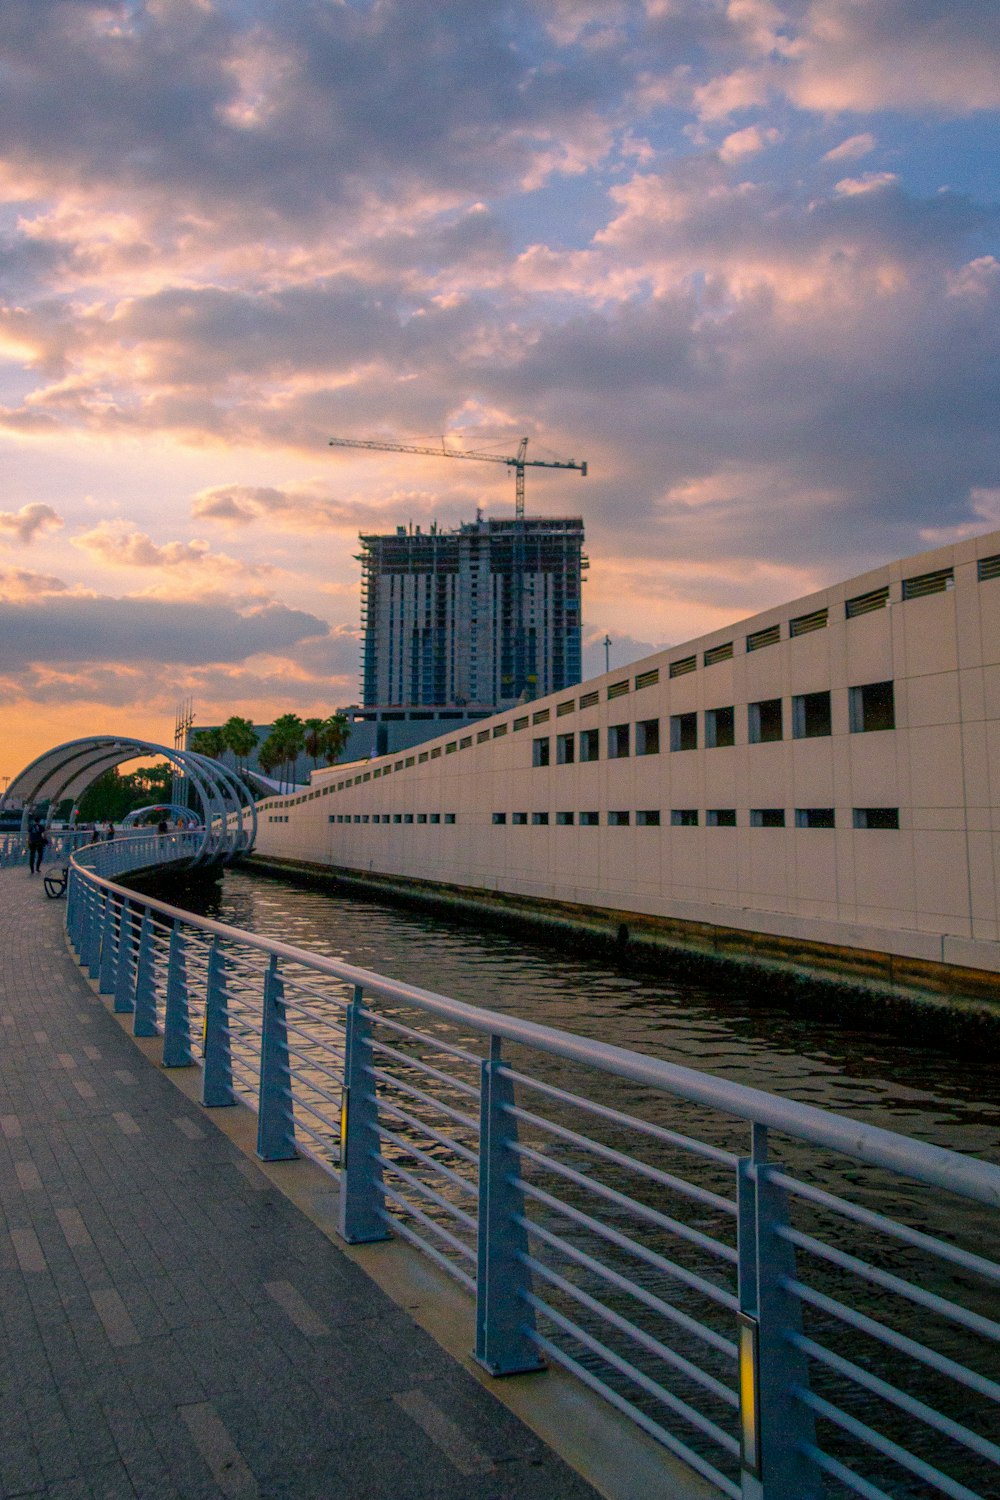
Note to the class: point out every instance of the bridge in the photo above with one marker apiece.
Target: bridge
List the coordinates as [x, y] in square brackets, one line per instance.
[714, 1306]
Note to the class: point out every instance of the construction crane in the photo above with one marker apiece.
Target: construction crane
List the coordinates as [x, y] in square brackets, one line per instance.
[519, 462]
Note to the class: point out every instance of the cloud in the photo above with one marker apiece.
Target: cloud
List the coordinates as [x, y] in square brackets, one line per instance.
[748, 142]
[21, 583]
[30, 521]
[311, 507]
[189, 565]
[854, 147]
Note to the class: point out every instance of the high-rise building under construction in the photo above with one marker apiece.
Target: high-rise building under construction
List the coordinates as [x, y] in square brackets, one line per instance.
[479, 617]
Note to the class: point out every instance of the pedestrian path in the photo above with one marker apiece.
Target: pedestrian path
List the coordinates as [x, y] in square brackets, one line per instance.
[171, 1324]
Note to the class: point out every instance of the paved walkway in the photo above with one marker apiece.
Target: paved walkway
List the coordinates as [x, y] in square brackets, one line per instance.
[170, 1324]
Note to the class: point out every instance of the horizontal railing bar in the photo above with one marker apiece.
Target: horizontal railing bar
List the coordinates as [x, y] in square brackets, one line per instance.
[952, 1311]
[960, 1175]
[631, 1122]
[844, 1474]
[865, 1434]
[940, 1248]
[451, 1176]
[317, 1135]
[631, 1205]
[425, 1219]
[635, 1414]
[910, 1404]
[971, 1379]
[651, 1257]
[632, 1288]
[307, 1104]
[311, 1062]
[393, 1023]
[631, 1163]
[425, 1098]
[419, 1186]
[639, 1335]
[425, 1129]
[460, 1084]
[399, 1227]
[725, 1440]
[309, 1086]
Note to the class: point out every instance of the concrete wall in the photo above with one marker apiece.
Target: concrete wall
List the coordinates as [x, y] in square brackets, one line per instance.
[927, 889]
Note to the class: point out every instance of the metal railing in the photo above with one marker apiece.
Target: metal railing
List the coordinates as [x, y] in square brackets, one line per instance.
[715, 1261]
[61, 844]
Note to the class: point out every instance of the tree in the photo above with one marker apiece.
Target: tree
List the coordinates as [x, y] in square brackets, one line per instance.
[314, 739]
[336, 731]
[112, 795]
[209, 742]
[241, 738]
[289, 731]
[269, 755]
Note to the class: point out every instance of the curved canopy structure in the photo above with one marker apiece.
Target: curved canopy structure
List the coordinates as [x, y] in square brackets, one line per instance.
[228, 813]
[177, 810]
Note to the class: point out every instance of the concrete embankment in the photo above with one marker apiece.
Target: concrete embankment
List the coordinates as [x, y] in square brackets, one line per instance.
[941, 1002]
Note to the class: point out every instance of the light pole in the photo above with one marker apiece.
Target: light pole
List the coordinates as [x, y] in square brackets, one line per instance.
[607, 653]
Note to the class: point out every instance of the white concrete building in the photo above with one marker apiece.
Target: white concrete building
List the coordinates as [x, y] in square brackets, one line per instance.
[824, 776]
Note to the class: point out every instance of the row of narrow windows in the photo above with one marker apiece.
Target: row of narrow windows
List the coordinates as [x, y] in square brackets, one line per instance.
[679, 817]
[390, 818]
[871, 707]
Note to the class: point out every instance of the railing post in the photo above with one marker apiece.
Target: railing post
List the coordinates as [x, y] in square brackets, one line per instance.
[95, 929]
[72, 909]
[176, 1021]
[124, 1000]
[776, 1426]
[275, 1117]
[144, 993]
[362, 1201]
[217, 1073]
[504, 1318]
[107, 967]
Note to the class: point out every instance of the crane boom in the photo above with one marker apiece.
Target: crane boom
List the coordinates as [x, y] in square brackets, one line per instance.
[518, 462]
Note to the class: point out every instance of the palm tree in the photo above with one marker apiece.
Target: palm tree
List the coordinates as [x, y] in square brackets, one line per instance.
[269, 755]
[241, 738]
[336, 731]
[209, 742]
[289, 731]
[313, 739]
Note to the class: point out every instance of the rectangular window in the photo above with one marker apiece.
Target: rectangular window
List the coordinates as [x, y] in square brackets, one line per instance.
[435, 817]
[804, 624]
[648, 818]
[499, 817]
[436, 753]
[872, 707]
[540, 820]
[721, 817]
[451, 747]
[647, 737]
[482, 735]
[767, 817]
[465, 743]
[521, 723]
[718, 653]
[331, 818]
[589, 744]
[865, 604]
[565, 747]
[647, 679]
[407, 817]
[815, 817]
[720, 727]
[684, 731]
[498, 730]
[540, 752]
[929, 583]
[764, 721]
[684, 817]
[682, 667]
[519, 818]
[540, 717]
[409, 760]
[589, 819]
[769, 636]
[811, 716]
[449, 817]
[618, 819]
[569, 707]
[397, 817]
[988, 567]
[619, 736]
[587, 700]
[564, 819]
[423, 756]
[421, 817]
[618, 689]
[876, 817]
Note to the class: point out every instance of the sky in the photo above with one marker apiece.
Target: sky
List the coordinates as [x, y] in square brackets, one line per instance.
[740, 256]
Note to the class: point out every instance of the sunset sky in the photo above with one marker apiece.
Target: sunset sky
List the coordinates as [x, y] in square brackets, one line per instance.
[742, 256]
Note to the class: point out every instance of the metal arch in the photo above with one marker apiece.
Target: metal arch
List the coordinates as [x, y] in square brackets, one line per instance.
[70, 768]
[175, 809]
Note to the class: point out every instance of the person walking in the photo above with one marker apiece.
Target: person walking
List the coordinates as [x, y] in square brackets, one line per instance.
[109, 830]
[36, 845]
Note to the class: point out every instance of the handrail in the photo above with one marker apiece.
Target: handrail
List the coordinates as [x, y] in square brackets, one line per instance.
[934, 1165]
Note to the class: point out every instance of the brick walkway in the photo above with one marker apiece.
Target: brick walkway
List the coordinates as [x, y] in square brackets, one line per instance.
[170, 1324]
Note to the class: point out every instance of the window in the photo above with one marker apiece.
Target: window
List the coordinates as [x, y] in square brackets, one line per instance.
[720, 727]
[764, 721]
[804, 624]
[565, 747]
[482, 735]
[718, 653]
[521, 723]
[619, 736]
[929, 583]
[397, 817]
[498, 730]
[618, 689]
[618, 819]
[767, 817]
[562, 709]
[423, 756]
[810, 716]
[540, 752]
[988, 567]
[876, 817]
[648, 818]
[407, 817]
[499, 817]
[421, 817]
[647, 737]
[331, 818]
[589, 744]
[541, 716]
[684, 817]
[647, 679]
[587, 700]
[451, 747]
[865, 604]
[564, 819]
[519, 818]
[435, 754]
[815, 817]
[409, 760]
[684, 731]
[589, 819]
[682, 667]
[449, 817]
[540, 820]
[465, 743]
[435, 817]
[769, 636]
[721, 817]
[872, 707]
